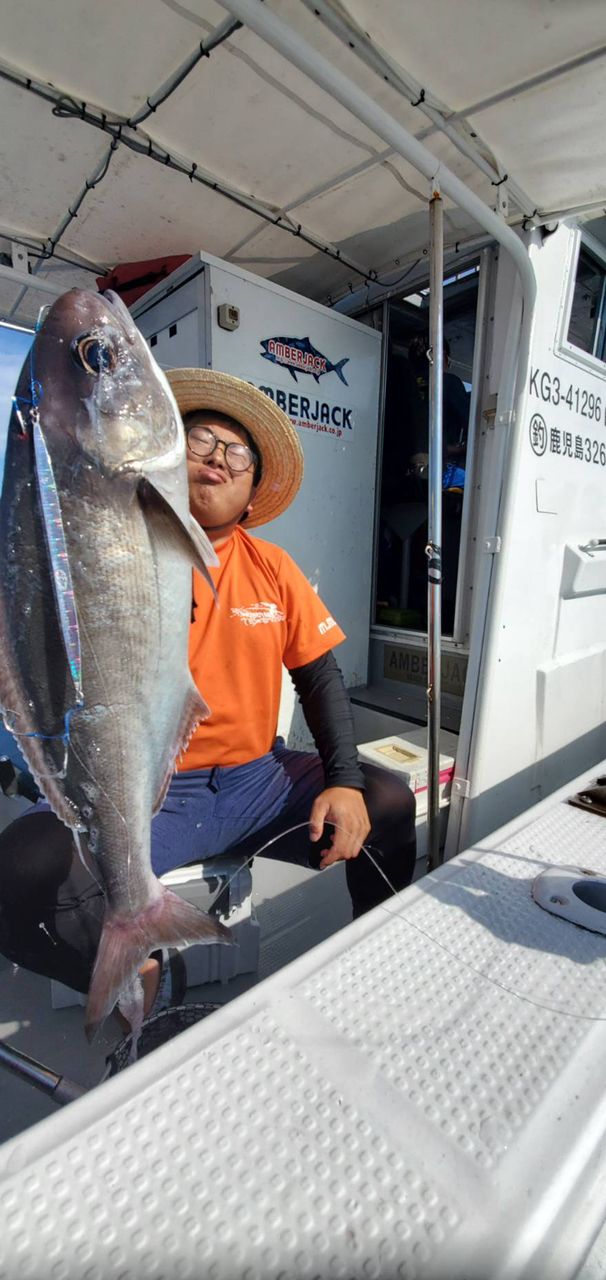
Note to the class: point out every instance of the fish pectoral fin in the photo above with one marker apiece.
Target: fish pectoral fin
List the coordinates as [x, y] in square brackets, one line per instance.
[157, 500]
[125, 944]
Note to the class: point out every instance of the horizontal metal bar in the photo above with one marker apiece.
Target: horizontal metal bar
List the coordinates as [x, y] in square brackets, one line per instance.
[36, 245]
[31, 282]
[533, 82]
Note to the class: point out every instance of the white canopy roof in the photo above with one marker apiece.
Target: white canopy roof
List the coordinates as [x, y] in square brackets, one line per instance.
[514, 89]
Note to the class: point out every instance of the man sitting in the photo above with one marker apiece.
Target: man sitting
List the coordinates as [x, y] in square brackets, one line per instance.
[237, 784]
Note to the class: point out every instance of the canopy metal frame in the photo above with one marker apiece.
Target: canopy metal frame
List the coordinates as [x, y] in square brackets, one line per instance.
[418, 95]
[277, 33]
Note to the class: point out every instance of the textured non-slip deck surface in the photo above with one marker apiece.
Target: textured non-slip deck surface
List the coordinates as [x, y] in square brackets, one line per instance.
[421, 1096]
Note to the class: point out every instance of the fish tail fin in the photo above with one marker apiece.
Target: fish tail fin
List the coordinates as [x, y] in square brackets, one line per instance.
[126, 942]
[338, 368]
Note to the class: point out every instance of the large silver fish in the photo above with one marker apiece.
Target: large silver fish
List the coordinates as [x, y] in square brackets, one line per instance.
[96, 553]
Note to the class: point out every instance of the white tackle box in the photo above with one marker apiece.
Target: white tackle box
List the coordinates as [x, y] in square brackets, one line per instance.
[409, 759]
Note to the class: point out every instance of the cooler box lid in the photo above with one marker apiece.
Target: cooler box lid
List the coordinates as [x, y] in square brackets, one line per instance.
[406, 758]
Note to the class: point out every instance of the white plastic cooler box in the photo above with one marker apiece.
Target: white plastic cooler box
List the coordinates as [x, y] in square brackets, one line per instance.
[409, 759]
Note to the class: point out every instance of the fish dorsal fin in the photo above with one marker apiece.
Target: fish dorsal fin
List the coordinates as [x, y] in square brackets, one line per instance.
[194, 711]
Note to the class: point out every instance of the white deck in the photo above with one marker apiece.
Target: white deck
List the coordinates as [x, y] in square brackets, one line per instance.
[421, 1095]
[296, 910]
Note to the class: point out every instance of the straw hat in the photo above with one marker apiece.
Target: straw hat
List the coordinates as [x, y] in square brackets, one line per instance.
[271, 430]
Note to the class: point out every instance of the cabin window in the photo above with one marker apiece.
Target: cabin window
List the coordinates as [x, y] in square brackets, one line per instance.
[587, 327]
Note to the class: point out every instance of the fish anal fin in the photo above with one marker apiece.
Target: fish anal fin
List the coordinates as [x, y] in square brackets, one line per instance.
[43, 756]
[50, 786]
[126, 942]
[47, 776]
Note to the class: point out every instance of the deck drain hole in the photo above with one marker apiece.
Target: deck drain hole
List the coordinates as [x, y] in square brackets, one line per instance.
[591, 893]
[575, 894]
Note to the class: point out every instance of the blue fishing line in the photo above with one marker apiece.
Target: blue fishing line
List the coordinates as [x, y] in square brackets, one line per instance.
[32, 404]
[56, 737]
[35, 387]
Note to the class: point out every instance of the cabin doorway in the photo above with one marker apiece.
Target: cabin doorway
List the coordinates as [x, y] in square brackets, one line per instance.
[397, 675]
[401, 564]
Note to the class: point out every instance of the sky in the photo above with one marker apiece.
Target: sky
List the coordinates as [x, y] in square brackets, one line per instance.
[14, 346]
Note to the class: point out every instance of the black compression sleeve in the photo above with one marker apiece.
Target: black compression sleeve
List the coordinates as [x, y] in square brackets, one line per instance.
[329, 716]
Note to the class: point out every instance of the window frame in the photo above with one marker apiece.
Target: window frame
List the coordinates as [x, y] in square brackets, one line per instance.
[576, 355]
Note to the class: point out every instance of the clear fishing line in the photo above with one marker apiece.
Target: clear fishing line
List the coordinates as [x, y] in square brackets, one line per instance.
[298, 827]
[408, 923]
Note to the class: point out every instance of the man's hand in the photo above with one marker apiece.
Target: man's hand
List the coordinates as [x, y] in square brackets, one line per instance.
[345, 807]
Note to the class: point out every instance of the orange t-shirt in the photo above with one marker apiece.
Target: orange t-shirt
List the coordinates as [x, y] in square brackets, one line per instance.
[267, 616]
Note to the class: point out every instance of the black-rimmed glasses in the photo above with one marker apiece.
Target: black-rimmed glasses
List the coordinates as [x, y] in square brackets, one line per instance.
[203, 442]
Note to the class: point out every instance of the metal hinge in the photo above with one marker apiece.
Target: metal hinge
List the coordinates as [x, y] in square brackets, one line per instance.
[489, 415]
[501, 204]
[492, 546]
[490, 412]
[461, 787]
[19, 258]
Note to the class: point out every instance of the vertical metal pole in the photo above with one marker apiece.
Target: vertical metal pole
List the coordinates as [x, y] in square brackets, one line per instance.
[478, 372]
[385, 322]
[434, 525]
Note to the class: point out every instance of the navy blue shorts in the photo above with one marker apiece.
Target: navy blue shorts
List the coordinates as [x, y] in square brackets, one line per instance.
[209, 811]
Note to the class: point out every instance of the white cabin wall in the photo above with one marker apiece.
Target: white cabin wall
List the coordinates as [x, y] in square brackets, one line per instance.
[538, 719]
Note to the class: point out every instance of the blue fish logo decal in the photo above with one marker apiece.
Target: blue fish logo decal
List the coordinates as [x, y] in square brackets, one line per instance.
[299, 356]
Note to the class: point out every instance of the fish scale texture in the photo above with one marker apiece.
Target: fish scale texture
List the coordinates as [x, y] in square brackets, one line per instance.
[417, 1097]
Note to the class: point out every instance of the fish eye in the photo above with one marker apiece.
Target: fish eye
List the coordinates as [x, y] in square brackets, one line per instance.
[94, 354]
